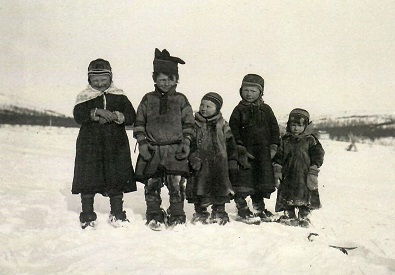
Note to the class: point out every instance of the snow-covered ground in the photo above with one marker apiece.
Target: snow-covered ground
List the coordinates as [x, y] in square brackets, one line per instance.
[40, 231]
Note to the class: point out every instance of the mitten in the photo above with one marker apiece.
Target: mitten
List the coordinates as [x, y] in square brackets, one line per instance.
[196, 163]
[312, 177]
[244, 156]
[183, 150]
[278, 175]
[144, 150]
[273, 150]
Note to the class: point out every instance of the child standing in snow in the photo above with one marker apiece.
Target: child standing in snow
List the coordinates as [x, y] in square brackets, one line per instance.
[103, 163]
[164, 129]
[213, 154]
[296, 166]
[257, 135]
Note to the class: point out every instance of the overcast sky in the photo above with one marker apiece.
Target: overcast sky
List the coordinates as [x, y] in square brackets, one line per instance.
[324, 56]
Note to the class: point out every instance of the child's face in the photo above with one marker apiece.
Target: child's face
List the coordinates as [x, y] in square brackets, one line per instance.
[165, 83]
[100, 82]
[250, 93]
[207, 108]
[297, 127]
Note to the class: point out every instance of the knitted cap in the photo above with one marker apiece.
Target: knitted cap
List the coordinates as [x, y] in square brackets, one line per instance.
[164, 63]
[99, 67]
[298, 112]
[254, 80]
[215, 98]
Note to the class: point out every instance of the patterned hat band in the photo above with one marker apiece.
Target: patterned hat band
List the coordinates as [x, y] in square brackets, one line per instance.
[215, 98]
[300, 112]
[247, 83]
[100, 72]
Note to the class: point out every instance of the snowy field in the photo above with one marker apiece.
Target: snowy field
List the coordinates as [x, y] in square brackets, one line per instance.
[40, 231]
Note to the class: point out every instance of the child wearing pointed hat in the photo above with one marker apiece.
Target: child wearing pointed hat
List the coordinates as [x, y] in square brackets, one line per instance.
[257, 135]
[296, 166]
[164, 129]
[213, 156]
[103, 163]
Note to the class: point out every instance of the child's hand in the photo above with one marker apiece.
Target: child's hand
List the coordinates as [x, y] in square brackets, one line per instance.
[144, 149]
[312, 177]
[196, 163]
[278, 175]
[244, 156]
[106, 114]
[102, 121]
[183, 150]
[273, 150]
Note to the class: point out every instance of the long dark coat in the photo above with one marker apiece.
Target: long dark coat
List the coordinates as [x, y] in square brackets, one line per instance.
[213, 147]
[296, 154]
[255, 126]
[164, 119]
[103, 163]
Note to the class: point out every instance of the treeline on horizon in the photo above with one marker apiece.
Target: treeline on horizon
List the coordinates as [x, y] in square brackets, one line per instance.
[364, 127]
[42, 119]
[337, 129]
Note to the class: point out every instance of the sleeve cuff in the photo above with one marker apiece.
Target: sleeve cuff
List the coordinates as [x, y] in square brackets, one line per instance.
[94, 117]
[120, 117]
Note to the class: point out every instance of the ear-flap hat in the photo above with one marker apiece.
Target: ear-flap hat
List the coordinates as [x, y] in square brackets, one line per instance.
[99, 67]
[254, 80]
[214, 98]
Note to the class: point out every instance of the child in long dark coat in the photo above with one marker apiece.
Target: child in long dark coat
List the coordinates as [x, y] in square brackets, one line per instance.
[257, 135]
[164, 129]
[297, 165]
[213, 154]
[103, 163]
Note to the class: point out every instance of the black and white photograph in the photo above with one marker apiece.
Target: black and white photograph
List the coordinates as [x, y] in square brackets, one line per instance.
[197, 137]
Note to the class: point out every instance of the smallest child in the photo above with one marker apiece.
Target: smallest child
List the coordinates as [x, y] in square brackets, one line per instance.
[213, 156]
[296, 168]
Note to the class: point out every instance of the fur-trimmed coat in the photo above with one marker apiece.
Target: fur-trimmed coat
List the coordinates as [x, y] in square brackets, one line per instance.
[296, 154]
[255, 127]
[103, 163]
[164, 120]
[212, 148]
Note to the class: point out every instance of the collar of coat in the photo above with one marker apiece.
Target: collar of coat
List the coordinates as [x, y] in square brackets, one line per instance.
[200, 120]
[172, 91]
[257, 102]
[91, 93]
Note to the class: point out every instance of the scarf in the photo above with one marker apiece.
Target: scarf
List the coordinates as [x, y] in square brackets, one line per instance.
[91, 93]
[254, 108]
[214, 125]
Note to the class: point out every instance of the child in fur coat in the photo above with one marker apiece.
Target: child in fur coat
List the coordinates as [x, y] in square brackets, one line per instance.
[296, 166]
[164, 129]
[213, 154]
[257, 135]
[103, 163]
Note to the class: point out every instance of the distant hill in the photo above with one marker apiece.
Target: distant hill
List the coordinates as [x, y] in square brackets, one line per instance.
[370, 126]
[361, 124]
[18, 112]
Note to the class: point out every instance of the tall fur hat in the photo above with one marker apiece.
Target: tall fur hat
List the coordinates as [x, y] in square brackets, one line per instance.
[214, 98]
[254, 80]
[165, 63]
[99, 67]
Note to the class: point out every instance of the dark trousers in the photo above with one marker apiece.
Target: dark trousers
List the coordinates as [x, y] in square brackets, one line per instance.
[176, 186]
[257, 201]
